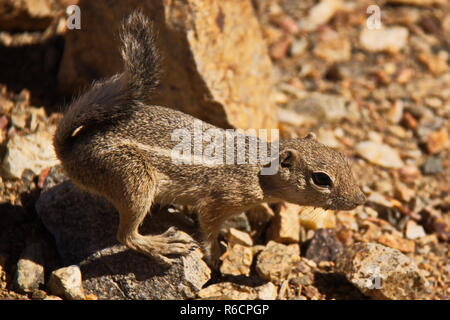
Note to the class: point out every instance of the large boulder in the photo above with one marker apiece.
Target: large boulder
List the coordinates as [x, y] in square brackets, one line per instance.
[84, 228]
[215, 67]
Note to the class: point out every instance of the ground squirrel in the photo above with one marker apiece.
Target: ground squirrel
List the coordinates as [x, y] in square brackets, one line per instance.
[113, 142]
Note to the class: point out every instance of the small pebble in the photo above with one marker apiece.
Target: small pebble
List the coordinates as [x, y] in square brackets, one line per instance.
[432, 165]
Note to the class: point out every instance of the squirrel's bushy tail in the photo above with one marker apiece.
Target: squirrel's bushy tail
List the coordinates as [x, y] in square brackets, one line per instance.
[140, 55]
[117, 96]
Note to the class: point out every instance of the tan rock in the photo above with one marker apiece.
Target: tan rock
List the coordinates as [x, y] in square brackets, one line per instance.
[66, 282]
[418, 2]
[437, 141]
[236, 236]
[237, 261]
[320, 14]
[381, 272]
[286, 23]
[348, 220]
[53, 298]
[336, 49]
[317, 218]
[280, 48]
[267, 291]
[216, 63]
[379, 154]
[409, 174]
[285, 226]
[34, 152]
[276, 261]
[228, 291]
[396, 242]
[437, 64]
[404, 193]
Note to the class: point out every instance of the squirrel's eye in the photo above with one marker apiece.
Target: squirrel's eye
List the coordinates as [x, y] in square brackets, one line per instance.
[322, 180]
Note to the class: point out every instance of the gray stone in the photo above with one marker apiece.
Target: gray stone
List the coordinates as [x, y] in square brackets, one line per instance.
[324, 246]
[84, 228]
[30, 268]
[432, 165]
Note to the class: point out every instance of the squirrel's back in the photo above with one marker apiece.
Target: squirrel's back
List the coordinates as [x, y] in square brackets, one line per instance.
[117, 98]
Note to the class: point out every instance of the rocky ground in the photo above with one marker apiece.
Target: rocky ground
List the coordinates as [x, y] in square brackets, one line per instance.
[380, 96]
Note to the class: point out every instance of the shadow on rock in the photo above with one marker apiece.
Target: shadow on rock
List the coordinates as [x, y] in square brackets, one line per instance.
[84, 228]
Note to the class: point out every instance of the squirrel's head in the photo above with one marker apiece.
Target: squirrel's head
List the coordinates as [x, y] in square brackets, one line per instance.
[312, 174]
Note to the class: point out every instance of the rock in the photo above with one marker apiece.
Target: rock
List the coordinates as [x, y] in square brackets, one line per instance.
[228, 291]
[322, 107]
[409, 174]
[442, 228]
[437, 64]
[267, 291]
[404, 193]
[34, 152]
[381, 272]
[391, 39]
[414, 231]
[237, 261]
[30, 268]
[348, 220]
[27, 15]
[39, 295]
[317, 218]
[396, 242]
[437, 141]
[280, 48]
[236, 236]
[216, 67]
[324, 246]
[294, 118]
[311, 292]
[328, 138]
[379, 154]
[286, 23]
[395, 114]
[285, 226]
[275, 262]
[66, 282]
[409, 121]
[335, 49]
[2, 271]
[52, 298]
[320, 14]
[85, 235]
[424, 3]
[299, 46]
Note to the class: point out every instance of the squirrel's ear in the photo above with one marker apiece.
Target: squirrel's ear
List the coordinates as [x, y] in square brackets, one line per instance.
[288, 157]
[311, 135]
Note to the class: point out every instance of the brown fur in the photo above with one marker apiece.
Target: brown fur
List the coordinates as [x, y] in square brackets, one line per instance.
[111, 142]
